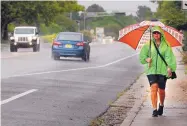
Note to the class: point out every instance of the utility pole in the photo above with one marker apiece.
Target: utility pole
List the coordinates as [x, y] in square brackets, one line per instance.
[84, 20]
[78, 24]
[94, 14]
[70, 15]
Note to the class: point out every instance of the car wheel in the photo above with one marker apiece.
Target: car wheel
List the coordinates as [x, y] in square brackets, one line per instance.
[86, 57]
[35, 48]
[13, 48]
[56, 57]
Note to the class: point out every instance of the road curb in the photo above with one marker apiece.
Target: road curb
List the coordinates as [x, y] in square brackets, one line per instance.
[4, 46]
[141, 96]
[131, 115]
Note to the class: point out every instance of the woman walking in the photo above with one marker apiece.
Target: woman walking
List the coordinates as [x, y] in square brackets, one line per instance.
[156, 70]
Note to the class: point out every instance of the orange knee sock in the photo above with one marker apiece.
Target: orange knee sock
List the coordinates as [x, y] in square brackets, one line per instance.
[161, 96]
[154, 90]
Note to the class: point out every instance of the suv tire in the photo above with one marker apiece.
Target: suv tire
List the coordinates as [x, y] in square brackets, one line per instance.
[56, 57]
[13, 48]
[86, 57]
[36, 48]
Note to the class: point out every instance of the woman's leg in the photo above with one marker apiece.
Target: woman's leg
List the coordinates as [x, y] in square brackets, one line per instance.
[161, 96]
[161, 90]
[154, 90]
[153, 79]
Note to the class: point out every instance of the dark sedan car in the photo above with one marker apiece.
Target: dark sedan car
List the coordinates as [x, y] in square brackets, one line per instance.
[70, 44]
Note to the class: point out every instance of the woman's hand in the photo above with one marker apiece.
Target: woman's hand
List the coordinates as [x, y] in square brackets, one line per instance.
[169, 72]
[149, 60]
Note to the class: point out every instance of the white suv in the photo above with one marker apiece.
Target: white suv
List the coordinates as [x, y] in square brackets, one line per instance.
[25, 37]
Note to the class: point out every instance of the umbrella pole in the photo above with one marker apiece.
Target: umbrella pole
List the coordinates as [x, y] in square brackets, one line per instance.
[150, 47]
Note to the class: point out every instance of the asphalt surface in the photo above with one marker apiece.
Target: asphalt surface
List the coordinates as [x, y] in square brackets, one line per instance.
[38, 91]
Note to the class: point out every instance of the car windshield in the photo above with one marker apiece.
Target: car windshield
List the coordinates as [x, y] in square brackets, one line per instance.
[24, 31]
[73, 37]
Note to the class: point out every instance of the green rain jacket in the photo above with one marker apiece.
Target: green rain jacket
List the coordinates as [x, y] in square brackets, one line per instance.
[157, 64]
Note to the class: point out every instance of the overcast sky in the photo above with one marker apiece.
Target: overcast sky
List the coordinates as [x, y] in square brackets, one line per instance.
[120, 5]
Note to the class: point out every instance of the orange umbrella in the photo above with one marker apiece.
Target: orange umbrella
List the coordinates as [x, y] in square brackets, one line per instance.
[137, 35]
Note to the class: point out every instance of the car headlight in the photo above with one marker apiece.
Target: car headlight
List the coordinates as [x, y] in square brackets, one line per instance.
[34, 38]
[12, 38]
[30, 38]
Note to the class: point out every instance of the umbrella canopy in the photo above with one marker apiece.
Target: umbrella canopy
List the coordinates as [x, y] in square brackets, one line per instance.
[137, 35]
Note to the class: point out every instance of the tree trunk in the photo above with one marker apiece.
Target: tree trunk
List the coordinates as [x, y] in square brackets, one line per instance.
[5, 32]
[36, 20]
[2, 29]
[38, 26]
[2, 33]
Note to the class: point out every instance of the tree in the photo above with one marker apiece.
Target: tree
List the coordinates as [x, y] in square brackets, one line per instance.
[87, 18]
[65, 23]
[75, 16]
[95, 8]
[34, 12]
[112, 24]
[144, 13]
[70, 6]
[87, 35]
[27, 11]
[171, 14]
[10, 12]
[112, 30]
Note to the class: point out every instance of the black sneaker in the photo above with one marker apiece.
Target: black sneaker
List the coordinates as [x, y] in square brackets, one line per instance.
[160, 110]
[155, 113]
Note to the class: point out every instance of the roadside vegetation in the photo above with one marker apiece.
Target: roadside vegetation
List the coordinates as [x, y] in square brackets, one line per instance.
[66, 17]
[49, 16]
[171, 14]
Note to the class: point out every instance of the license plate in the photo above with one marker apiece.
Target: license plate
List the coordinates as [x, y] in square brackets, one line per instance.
[68, 46]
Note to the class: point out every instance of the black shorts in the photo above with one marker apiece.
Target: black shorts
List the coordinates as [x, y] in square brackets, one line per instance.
[159, 79]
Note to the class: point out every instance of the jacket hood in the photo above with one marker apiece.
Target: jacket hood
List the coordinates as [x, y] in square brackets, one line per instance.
[157, 28]
[163, 38]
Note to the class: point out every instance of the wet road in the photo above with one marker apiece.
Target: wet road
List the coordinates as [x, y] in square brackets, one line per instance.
[38, 91]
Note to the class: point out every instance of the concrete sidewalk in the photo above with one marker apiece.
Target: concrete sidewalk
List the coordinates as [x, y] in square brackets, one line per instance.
[4, 46]
[175, 110]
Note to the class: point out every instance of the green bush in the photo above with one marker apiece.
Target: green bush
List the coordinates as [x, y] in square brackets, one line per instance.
[184, 48]
[112, 30]
[87, 35]
[184, 59]
[185, 42]
[11, 27]
[53, 28]
[49, 38]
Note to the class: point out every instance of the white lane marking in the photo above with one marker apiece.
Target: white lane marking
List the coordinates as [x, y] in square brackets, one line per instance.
[18, 96]
[57, 71]
[101, 43]
[108, 64]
